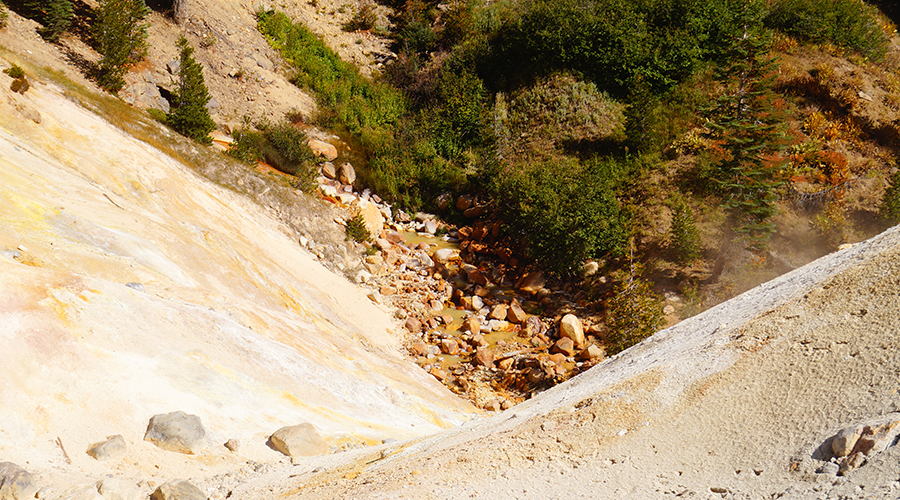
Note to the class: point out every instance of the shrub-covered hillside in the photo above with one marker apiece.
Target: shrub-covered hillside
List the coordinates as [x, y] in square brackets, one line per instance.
[584, 126]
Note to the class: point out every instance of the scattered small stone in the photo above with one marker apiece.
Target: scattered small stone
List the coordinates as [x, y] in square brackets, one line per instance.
[112, 488]
[499, 312]
[590, 352]
[178, 490]
[564, 346]
[515, 314]
[135, 286]
[493, 405]
[449, 346]
[177, 431]
[829, 468]
[506, 404]
[717, 489]
[323, 149]
[111, 448]
[413, 325]
[484, 356]
[232, 445]
[15, 482]
[298, 441]
[347, 174]
[669, 310]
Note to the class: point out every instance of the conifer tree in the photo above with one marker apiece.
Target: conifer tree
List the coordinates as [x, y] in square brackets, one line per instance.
[120, 30]
[747, 129]
[55, 15]
[188, 114]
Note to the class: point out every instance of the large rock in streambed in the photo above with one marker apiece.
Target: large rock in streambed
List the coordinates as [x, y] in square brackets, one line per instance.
[570, 327]
[178, 490]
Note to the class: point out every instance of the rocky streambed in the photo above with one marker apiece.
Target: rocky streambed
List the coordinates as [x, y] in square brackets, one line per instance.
[473, 318]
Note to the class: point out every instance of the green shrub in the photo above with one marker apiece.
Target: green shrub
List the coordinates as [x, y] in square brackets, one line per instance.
[890, 203]
[157, 114]
[633, 313]
[283, 146]
[562, 108]
[851, 24]
[4, 16]
[564, 212]
[15, 71]
[188, 114]
[120, 29]
[364, 18]
[356, 229]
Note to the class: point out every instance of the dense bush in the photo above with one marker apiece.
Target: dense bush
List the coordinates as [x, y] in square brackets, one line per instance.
[120, 30]
[564, 212]
[364, 18]
[188, 114]
[614, 43]
[851, 24]
[282, 146]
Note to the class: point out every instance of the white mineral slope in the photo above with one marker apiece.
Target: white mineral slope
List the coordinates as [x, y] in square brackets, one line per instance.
[129, 286]
[731, 403]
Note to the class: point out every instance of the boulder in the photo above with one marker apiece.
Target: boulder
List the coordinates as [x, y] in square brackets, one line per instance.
[329, 170]
[178, 490]
[413, 325]
[565, 346]
[372, 216]
[323, 149]
[499, 312]
[111, 448]
[449, 346]
[464, 202]
[515, 314]
[842, 444]
[112, 488]
[570, 327]
[875, 438]
[443, 201]
[590, 352]
[177, 431]
[347, 174]
[16, 483]
[476, 277]
[298, 441]
[484, 356]
[532, 282]
[444, 255]
[472, 325]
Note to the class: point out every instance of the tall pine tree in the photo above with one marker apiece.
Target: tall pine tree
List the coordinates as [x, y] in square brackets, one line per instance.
[747, 127]
[55, 15]
[188, 114]
[120, 30]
